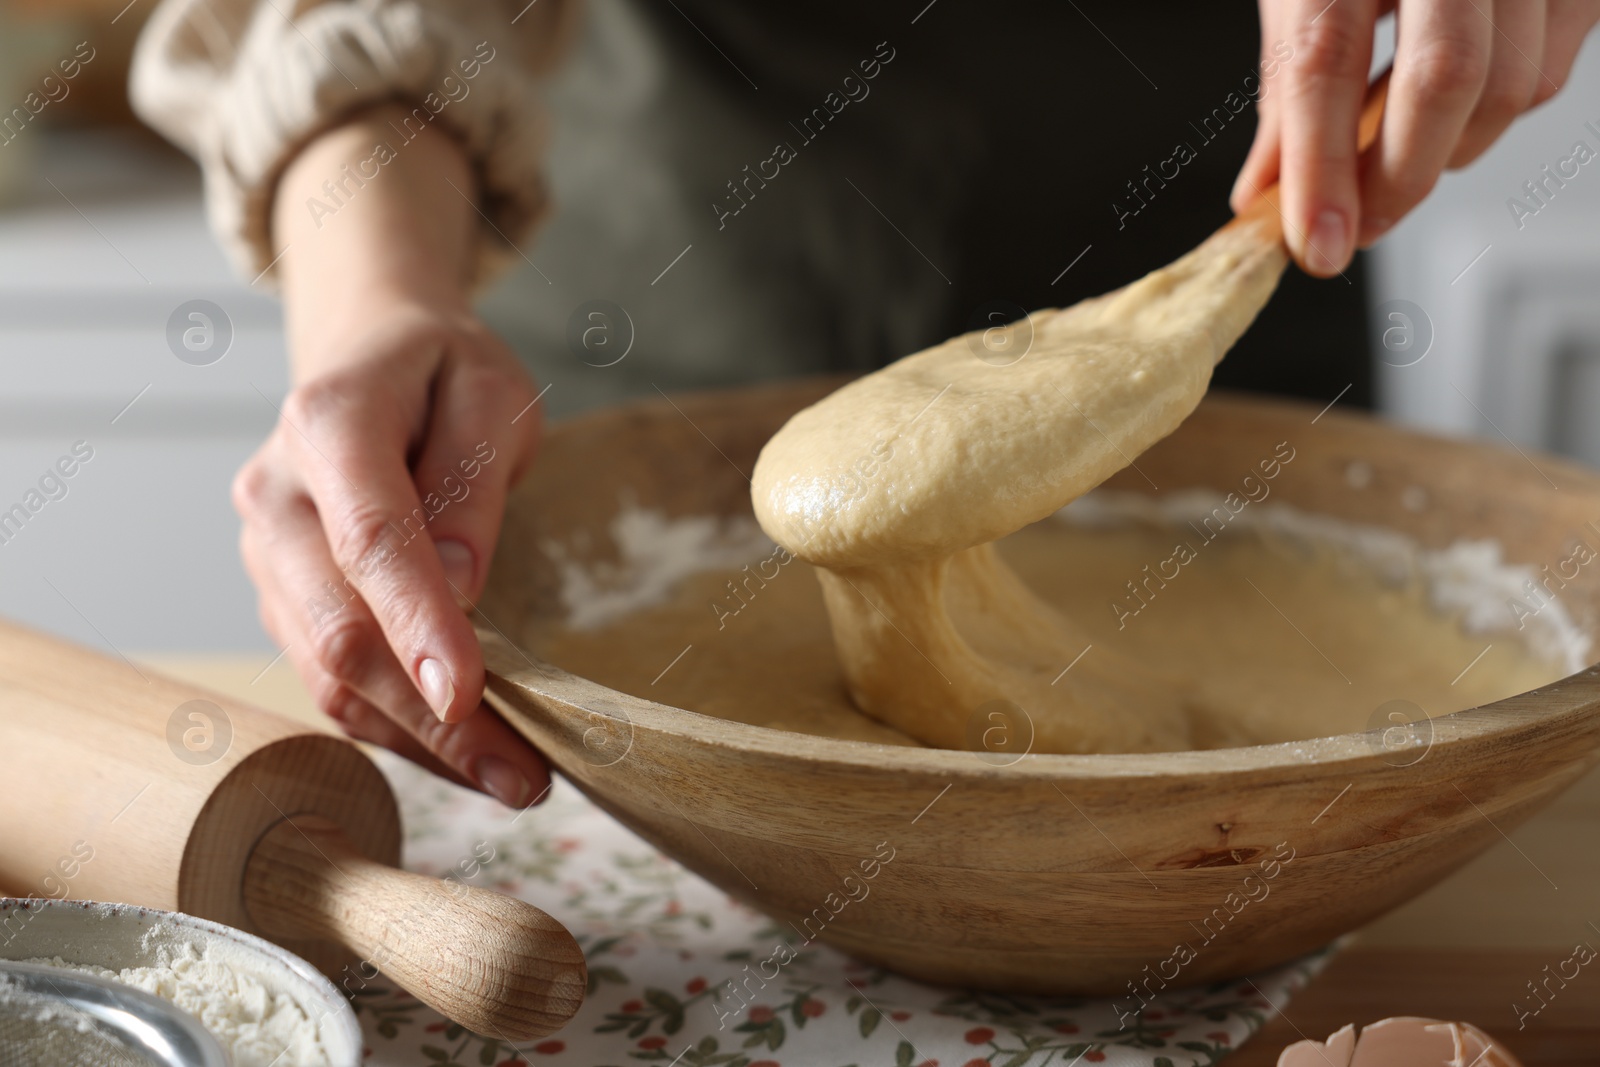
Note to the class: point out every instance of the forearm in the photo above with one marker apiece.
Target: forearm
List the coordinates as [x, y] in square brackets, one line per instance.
[363, 230]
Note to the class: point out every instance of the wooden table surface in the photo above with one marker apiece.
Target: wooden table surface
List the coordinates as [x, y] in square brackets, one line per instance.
[1465, 949]
[1369, 981]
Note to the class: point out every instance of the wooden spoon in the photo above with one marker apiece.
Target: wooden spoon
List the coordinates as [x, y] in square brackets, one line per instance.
[897, 485]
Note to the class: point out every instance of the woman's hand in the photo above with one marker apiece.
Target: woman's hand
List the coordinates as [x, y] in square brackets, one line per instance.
[374, 506]
[1463, 70]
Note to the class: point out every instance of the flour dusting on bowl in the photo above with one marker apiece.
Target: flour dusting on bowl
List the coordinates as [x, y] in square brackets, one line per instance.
[654, 552]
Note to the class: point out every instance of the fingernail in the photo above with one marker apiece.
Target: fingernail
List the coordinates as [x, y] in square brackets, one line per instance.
[457, 559]
[503, 781]
[1329, 243]
[437, 688]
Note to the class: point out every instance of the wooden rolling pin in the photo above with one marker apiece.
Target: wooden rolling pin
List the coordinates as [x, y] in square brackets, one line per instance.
[122, 785]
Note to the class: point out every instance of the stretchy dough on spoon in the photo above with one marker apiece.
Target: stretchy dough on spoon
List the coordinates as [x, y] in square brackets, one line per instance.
[898, 482]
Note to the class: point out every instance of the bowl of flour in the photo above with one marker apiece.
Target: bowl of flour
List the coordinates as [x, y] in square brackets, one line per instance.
[265, 1006]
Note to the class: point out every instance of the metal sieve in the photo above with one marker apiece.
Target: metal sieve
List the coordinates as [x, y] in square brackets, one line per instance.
[118, 936]
[66, 1018]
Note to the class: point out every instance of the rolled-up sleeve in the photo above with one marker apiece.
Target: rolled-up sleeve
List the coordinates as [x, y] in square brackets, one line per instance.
[241, 85]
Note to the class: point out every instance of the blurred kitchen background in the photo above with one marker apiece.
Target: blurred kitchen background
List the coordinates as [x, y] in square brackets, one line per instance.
[1481, 326]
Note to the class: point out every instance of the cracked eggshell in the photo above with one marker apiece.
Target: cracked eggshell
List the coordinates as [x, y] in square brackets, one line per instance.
[1402, 1041]
[1336, 1051]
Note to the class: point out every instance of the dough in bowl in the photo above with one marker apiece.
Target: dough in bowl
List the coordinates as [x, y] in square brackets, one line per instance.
[896, 485]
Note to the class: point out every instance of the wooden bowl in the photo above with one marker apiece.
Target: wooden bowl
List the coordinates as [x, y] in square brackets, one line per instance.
[1057, 874]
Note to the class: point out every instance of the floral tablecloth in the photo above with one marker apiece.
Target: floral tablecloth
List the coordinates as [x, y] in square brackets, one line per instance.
[662, 943]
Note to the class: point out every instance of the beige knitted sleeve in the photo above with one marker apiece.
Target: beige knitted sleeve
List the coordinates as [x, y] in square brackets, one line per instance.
[242, 84]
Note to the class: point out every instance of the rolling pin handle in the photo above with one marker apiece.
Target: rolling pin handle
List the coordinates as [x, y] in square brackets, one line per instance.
[495, 964]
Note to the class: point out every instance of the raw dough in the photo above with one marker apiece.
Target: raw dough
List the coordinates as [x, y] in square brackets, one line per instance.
[751, 643]
[897, 484]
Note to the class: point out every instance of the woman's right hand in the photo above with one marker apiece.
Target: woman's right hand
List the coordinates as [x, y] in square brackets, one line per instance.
[372, 511]
[1463, 71]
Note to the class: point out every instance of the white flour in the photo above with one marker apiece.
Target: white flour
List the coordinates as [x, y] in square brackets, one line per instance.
[254, 1019]
[654, 554]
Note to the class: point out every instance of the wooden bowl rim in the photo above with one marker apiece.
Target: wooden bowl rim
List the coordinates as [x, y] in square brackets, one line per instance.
[1567, 702]
[514, 673]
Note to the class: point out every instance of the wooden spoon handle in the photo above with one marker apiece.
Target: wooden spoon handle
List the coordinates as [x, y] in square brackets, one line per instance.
[1266, 205]
[493, 963]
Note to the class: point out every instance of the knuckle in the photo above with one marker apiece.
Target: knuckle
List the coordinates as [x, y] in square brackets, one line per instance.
[1332, 49]
[1504, 98]
[360, 537]
[342, 646]
[353, 715]
[316, 402]
[334, 699]
[496, 381]
[1448, 67]
[250, 488]
[445, 740]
